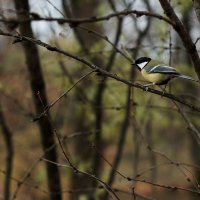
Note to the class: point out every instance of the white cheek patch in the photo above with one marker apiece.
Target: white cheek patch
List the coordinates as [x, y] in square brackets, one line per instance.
[142, 65]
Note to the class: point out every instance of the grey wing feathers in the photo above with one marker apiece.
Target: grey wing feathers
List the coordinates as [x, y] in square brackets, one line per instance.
[163, 69]
[186, 77]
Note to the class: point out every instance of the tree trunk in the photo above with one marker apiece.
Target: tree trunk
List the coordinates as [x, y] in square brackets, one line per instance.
[86, 41]
[38, 85]
[7, 134]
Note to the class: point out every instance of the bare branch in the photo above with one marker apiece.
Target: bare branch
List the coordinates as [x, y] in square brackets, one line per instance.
[101, 70]
[76, 21]
[183, 34]
[77, 171]
[104, 37]
[23, 180]
[191, 126]
[170, 162]
[80, 190]
[61, 96]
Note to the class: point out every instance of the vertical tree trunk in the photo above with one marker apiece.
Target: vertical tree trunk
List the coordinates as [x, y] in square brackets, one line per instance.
[9, 158]
[80, 8]
[186, 60]
[38, 85]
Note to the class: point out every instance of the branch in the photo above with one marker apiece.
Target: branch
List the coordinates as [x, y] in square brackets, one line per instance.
[80, 190]
[104, 37]
[191, 126]
[170, 162]
[183, 34]
[23, 180]
[77, 171]
[61, 96]
[20, 38]
[76, 21]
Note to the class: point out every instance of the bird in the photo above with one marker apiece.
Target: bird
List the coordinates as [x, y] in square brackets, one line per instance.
[157, 73]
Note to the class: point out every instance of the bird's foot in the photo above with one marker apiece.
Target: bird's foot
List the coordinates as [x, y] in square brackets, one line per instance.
[146, 87]
[163, 93]
[163, 90]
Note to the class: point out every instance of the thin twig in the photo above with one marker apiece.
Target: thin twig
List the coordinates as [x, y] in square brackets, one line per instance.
[75, 170]
[22, 181]
[61, 96]
[80, 190]
[152, 183]
[104, 37]
[191, 126]
[176, 164]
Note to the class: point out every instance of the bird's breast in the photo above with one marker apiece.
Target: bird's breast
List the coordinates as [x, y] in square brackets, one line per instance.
[156, 78]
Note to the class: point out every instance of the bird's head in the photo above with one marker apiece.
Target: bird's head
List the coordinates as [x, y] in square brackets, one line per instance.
[142, 62]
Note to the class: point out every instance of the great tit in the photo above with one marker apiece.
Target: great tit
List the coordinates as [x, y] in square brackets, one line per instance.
[156, 72]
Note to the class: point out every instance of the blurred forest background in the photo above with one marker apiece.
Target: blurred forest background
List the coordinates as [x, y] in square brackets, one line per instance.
[75, 120]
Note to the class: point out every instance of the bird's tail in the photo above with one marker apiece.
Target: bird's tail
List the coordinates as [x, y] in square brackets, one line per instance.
[186, 77]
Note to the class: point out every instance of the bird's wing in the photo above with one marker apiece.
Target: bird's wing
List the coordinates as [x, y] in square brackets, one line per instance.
[163, 69]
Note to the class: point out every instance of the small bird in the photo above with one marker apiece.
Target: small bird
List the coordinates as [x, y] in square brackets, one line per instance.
[158, 73]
